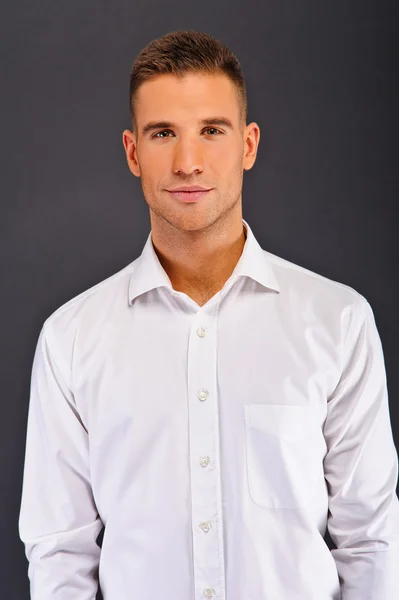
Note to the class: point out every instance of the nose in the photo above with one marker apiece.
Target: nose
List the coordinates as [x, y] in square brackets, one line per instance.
[188, 157]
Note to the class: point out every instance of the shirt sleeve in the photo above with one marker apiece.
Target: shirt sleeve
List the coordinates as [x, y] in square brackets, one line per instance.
[58, 520]
[361, 469]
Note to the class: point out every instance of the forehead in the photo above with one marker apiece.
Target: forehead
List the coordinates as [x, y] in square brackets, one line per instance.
[194, 94]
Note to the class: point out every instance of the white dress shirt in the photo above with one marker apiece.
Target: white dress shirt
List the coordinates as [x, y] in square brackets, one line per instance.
[215, 443]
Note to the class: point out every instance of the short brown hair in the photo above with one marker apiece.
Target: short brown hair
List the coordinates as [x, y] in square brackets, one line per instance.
[182, 52]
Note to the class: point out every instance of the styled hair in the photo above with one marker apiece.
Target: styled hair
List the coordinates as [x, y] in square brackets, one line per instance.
[182, 52]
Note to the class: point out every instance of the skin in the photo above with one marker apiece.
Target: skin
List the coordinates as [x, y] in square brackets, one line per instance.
[198, 244]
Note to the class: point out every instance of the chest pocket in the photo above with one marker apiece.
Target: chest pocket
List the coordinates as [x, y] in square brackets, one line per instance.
[285, 448]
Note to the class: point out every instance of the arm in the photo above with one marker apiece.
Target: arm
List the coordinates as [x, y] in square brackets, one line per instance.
[58, 520]
[361, 469]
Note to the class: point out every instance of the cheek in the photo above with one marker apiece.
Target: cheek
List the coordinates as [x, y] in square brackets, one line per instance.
[153, 167]
[228, 167]
[225, 156]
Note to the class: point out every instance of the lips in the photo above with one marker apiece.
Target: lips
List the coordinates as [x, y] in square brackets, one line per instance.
[193, 195]
[189, 188]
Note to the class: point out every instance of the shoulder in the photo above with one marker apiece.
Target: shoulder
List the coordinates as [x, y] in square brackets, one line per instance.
[313, 294]
[88, 311]
[292, 275]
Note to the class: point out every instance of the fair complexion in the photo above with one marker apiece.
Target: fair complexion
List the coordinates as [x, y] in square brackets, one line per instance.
[189, 132]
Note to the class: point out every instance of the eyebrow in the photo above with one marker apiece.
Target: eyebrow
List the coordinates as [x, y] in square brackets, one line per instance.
[220, 121]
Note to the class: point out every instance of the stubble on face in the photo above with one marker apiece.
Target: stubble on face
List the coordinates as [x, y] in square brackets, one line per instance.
[191, 218]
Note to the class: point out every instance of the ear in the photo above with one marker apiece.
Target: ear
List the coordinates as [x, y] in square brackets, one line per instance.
[129, 143]
[251, 143]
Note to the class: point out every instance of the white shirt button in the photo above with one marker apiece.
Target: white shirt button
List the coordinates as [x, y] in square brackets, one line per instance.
[204, 461]
[203, 395]
[201, 332]
[209, 592]
[205, 526]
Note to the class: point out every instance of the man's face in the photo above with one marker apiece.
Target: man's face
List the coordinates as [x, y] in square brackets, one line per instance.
[190, 147]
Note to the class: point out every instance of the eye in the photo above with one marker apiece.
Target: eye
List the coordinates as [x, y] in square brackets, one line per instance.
[213, 129]
[164, 131]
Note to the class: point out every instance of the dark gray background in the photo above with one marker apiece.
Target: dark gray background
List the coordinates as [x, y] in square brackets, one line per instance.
[322, 81]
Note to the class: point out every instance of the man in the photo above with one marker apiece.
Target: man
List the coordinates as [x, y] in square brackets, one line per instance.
[214, 406]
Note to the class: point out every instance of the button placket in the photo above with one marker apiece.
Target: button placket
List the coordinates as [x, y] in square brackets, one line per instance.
[205, 483]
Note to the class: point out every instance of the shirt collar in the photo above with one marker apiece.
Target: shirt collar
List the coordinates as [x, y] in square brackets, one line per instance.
[253, 262]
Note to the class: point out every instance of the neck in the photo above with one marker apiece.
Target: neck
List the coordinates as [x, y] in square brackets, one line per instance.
[199, 260]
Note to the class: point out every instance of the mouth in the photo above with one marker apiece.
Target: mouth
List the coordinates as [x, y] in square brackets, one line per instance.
[193, 196]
